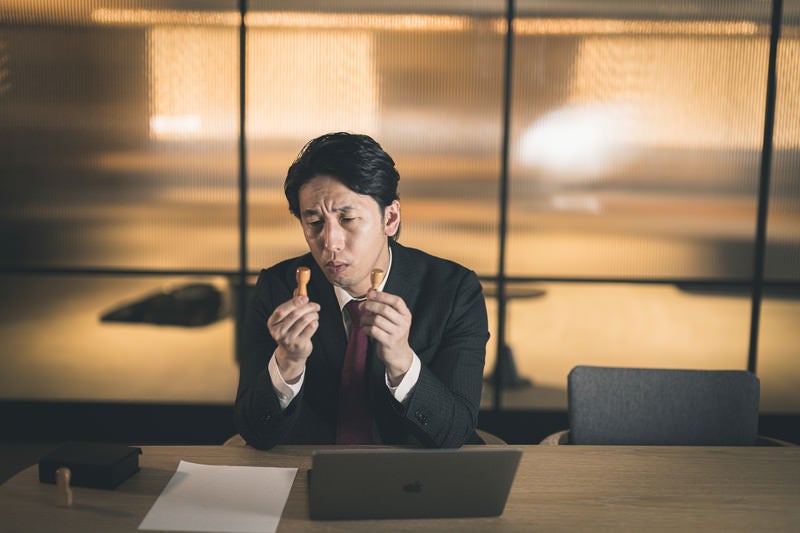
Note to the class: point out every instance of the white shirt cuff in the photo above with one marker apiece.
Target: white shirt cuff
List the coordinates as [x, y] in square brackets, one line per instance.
[286, 392]
[402, 391]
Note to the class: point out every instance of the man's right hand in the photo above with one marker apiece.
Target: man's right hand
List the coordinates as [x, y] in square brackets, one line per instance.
[291, 325]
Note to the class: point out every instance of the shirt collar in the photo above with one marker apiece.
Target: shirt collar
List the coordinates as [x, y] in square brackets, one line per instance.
[344, 297]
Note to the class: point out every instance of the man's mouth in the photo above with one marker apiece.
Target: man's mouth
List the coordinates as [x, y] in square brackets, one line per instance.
[335, 267]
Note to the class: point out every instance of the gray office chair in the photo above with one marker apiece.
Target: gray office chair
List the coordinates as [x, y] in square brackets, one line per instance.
[641, 406]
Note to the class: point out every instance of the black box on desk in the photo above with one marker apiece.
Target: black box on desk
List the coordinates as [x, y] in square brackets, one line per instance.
[92, 464]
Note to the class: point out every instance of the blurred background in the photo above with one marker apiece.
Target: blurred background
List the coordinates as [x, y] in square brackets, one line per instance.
[600, 165]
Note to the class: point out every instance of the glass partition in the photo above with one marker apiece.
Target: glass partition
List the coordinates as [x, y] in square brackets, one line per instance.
[783, 238]
[424, 80]
[554, 327]
[637, 133]
[779, 337]
[634, 160]
[117, 339]
[118, 132]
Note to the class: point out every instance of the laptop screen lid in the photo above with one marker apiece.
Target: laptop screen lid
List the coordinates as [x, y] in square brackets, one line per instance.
[375, 483]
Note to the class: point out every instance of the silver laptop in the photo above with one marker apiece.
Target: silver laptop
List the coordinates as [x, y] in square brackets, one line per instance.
[371, 483]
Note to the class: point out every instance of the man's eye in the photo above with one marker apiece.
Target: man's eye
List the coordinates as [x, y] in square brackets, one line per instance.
[314, 223]
[348, 219]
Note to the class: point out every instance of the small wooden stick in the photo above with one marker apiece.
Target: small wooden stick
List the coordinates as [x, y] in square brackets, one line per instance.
[302, 275]
[63, 491]
[375, 278]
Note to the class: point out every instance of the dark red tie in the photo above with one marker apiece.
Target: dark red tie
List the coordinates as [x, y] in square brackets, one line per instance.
[354, 425]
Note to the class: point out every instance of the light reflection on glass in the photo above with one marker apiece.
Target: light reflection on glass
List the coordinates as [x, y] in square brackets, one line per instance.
[644, 28]
[358, 21]
[189, 67]
[334, 79]
[579, 142]
[148, 17]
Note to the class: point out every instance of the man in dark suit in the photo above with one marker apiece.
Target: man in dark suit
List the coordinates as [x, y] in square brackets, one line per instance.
[426, 323]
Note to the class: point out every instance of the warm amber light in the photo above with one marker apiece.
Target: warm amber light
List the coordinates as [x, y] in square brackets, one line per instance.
[358, 21]
[149, 17]
[577, 26]
[418, 22]
[189, 67]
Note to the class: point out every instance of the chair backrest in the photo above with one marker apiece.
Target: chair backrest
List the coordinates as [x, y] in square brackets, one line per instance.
[643, 406]
[489, 438]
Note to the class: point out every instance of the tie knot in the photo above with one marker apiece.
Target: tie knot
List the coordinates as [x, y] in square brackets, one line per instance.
[355, 312]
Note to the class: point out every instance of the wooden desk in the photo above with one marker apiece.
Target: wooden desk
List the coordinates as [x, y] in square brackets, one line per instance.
[557, 488]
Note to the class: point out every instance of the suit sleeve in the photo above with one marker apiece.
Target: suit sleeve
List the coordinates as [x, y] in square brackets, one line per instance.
[443, 408]
[257, 412]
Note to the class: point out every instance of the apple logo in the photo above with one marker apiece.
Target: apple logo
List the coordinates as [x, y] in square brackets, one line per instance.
[415, 487]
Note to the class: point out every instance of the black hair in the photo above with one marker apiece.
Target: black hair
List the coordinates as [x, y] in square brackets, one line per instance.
[356, 160]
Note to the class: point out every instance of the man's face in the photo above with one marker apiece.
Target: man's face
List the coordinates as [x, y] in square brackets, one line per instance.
[346, 232]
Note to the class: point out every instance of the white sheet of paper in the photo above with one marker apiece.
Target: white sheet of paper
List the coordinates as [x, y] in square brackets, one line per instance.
[240, 499]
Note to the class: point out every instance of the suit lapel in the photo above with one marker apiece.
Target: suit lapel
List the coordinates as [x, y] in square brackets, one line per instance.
[404, 281]
[404, 276]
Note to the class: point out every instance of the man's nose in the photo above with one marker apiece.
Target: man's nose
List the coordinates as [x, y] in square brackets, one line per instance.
[333, 237]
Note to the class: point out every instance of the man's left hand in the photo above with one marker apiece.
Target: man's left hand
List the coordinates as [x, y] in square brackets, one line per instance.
[388, 322]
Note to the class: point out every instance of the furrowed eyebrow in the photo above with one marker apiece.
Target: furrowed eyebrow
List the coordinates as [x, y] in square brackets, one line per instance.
[316, 212]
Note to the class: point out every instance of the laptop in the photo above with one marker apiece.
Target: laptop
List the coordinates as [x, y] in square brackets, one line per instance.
[374, 483]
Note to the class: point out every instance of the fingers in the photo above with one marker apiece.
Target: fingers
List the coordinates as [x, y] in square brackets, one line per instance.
[293, 323]
[291, 310]
[388, 322]
[388, 316]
